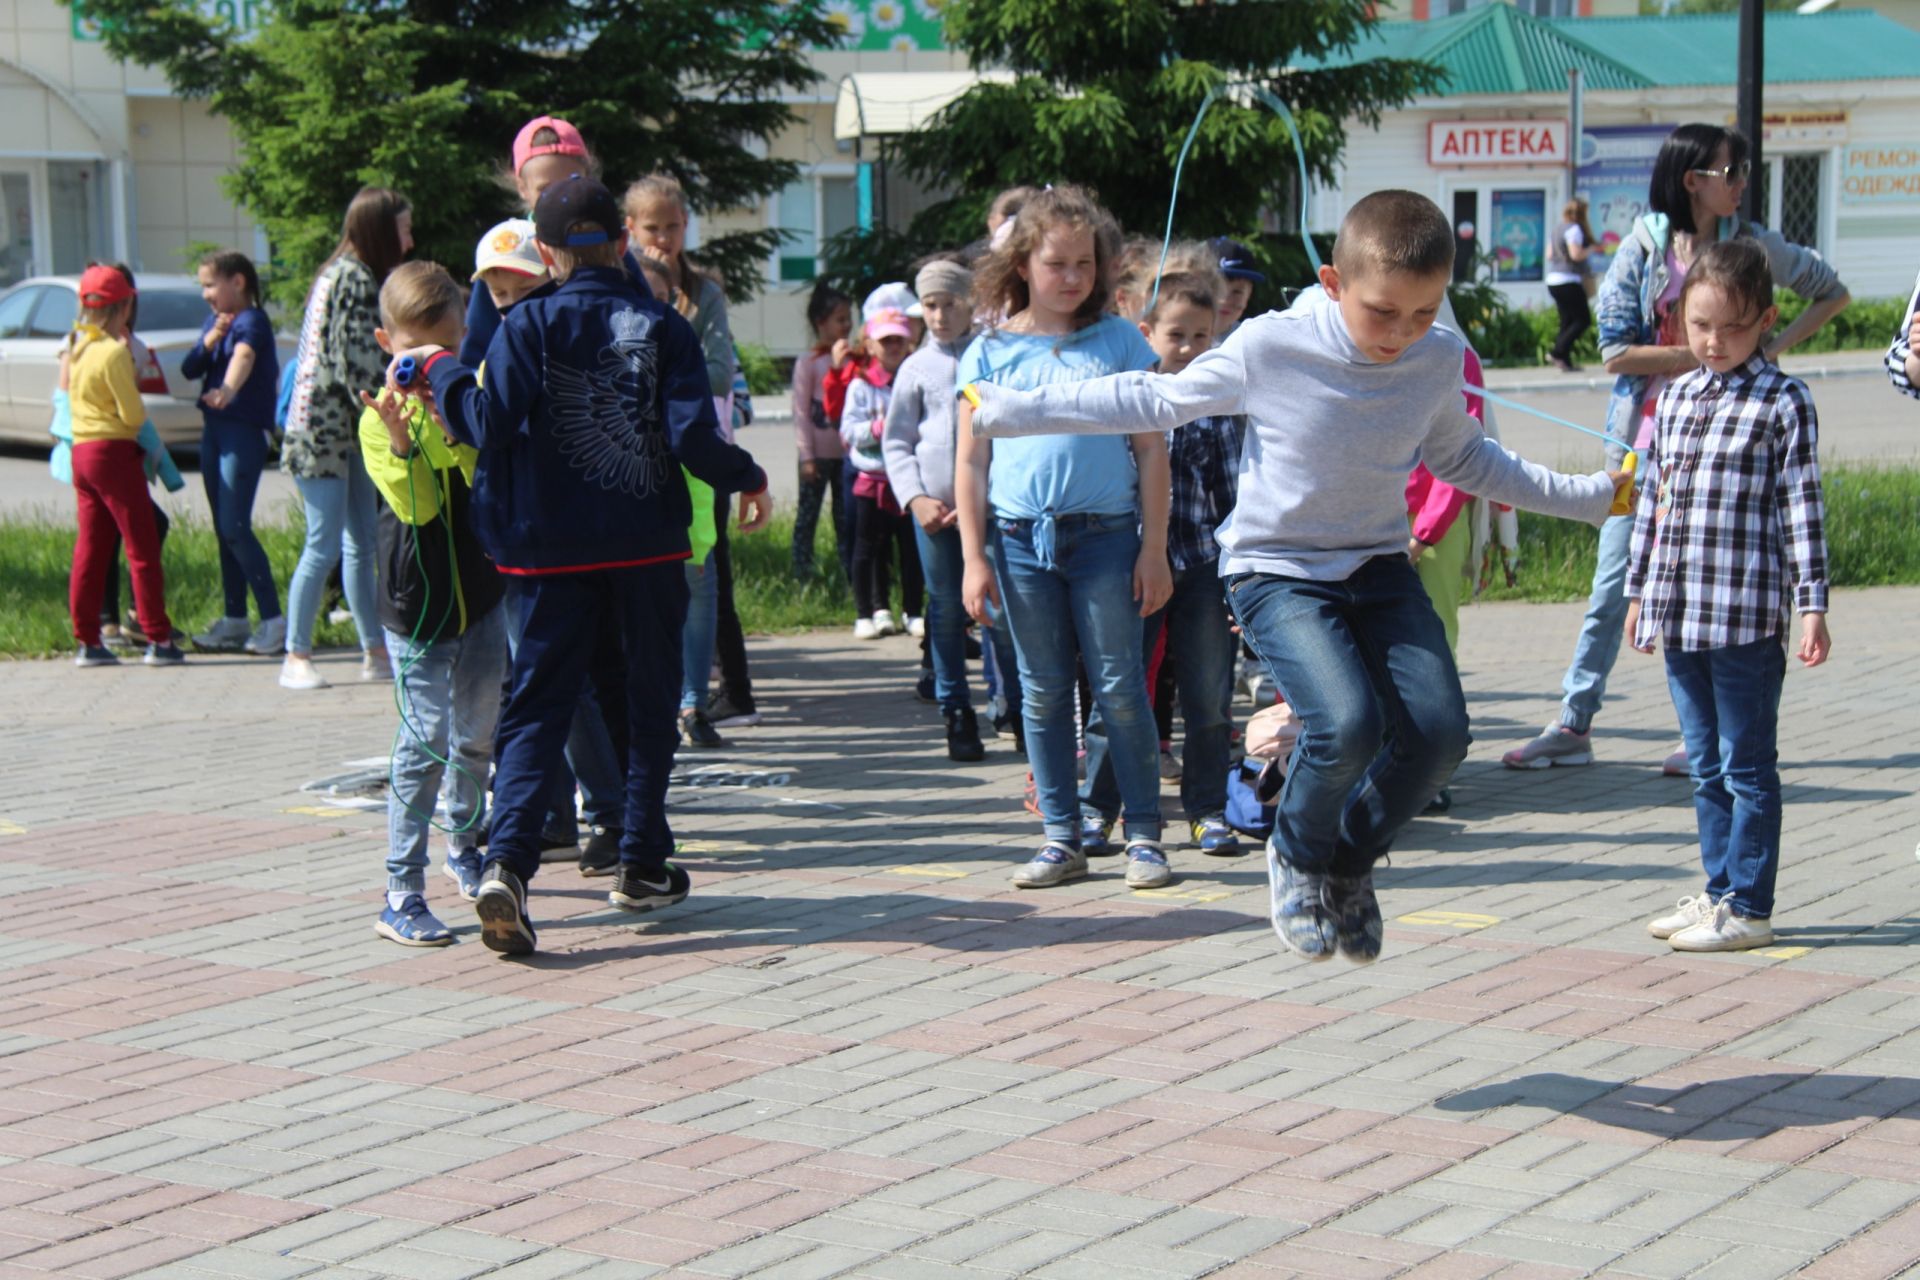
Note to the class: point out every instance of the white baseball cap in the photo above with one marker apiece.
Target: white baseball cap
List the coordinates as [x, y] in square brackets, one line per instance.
[508, 247]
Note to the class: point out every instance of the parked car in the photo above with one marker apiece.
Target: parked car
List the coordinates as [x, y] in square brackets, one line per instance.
[37, 314]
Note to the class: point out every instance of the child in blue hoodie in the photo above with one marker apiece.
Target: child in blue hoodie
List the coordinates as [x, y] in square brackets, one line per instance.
[595, 396]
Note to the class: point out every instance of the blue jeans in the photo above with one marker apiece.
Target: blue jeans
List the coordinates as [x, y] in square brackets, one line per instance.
[341, 511]
[1383, 723]
[588, 758]
[449, 693]
[231, 459]
[1728, 701]
[1076, 596]
[696, 642]
[1202, 648]
[1601, 630]
[945, 566]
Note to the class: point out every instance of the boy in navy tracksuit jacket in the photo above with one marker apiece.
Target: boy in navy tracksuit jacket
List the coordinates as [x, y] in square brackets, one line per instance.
[595, 395]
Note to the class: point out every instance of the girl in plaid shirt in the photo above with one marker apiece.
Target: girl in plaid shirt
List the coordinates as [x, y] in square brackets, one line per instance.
[1725, 541]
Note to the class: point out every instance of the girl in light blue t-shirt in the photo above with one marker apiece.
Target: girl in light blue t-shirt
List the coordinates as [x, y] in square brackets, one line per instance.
[1073, 529]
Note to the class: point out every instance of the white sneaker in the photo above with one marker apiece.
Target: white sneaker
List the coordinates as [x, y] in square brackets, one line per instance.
[226, 635]
[1169, 765]
[1675, 765]
[1686, 913]
[916, 626]
[270, 639]
[863, 629]
[883, 623]
[1556, 745]
[299, 673]
[1724, 931]
[339, 617]
[374, 667]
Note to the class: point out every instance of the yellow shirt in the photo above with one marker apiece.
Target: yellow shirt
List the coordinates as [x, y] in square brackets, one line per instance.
[103, 388]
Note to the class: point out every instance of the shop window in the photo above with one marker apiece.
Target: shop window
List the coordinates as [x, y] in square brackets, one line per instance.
[16, 228]
[811, 212]
[1800, 199]
[76, 192]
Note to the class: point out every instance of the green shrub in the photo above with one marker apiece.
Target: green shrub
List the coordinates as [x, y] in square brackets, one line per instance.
[763, 373]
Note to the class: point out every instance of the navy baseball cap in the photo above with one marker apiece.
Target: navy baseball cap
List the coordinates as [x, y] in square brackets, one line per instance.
[1236, 262]
[564, 205]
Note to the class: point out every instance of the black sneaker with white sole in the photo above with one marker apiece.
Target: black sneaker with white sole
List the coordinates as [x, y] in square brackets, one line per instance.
[638, 890]
[601, 857]
[502, 907]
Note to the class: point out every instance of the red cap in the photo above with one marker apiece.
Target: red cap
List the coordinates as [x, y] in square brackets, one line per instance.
[568, 141]
[103, 286]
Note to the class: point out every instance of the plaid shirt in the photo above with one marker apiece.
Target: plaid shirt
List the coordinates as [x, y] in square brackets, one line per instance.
[1205, 459]
[1897, 354]
[1735, 508]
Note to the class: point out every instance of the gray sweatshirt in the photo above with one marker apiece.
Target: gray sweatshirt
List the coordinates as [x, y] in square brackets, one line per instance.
[920, 439]
[1331, 438]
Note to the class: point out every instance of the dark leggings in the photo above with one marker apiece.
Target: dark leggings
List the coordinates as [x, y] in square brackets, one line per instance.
[1575, 317]
[806, 517]
[878, 536]
[110, 599]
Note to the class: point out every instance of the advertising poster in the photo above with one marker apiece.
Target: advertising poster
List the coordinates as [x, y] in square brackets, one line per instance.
[1616, 168]
[1518, 237]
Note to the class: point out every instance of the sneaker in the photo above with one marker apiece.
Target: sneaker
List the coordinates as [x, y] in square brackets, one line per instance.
[1169, 765]
[923, 688]
[374, 667]
[163, 655]
[1675, 765]
[727, 712]
[463, 868]
[130, 630]
[883, 623]
[1686, 913]
[916, 626]
[339, 616]
[1303, 917]
[1054, 864]
[111, 634]
[638, 890]
[601, 857]
[559, 845]
[299, 673]
[863, 629]
[1356, 917]
[95, 655]
[1216, 838]
[413, 925]
[1096, 835]
[1556, 745]
[963, 736]
[270, 638]
[501, 905]
[698, 732]
[1441, 803]
[1724, 931]
[1147, 865]
[226, 635]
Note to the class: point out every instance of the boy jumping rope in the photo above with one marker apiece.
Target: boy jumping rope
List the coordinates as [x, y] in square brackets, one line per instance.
[595, 396]
[1345, 393]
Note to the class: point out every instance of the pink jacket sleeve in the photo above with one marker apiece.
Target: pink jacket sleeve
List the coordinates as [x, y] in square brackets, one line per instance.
[1436, 504]
[806, 377]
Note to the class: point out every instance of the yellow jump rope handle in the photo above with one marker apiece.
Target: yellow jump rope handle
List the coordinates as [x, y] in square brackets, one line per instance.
[973, 397]
[1623, 495]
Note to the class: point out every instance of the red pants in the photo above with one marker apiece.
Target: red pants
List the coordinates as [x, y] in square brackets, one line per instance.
[110, 486]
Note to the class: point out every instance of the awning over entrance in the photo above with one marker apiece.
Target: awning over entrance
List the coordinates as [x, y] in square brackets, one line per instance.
[873, 104]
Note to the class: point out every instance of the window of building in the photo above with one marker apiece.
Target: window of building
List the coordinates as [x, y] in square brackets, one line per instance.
[811, 212]
[77, 199]
[1789, 196]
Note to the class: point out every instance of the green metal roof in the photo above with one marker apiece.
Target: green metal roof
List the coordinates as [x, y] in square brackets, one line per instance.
[1495, 48]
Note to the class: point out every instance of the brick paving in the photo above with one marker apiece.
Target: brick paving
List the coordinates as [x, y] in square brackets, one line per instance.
[858, 1051]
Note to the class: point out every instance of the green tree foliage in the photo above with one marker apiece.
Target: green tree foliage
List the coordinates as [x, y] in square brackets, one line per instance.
[424, 96]
[1106, 92]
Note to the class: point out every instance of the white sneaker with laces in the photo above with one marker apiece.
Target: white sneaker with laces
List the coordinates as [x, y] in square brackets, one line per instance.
[271, 637]
[300, 673]
[884, 624]
[916, 626]
[863, 629]
[1556, 745]
[1685, 914]
[1724, 931]
[226, 635]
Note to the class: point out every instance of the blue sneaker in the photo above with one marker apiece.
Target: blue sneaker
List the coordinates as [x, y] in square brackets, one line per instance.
[413, 925]
[96, 655]
[1356, 917]
[1216, 838]
[1303, 916]
[1096, 835]
[502, 907]
[464, 870]
[1147, 865]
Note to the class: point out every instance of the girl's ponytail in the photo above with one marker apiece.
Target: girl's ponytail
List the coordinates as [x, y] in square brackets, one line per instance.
[228, 263]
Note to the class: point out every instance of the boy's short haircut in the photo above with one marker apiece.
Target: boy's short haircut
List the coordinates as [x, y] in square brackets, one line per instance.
[1739, 269]
[568, 260]
[419, 296]
[1177, 287]
[1392, 231]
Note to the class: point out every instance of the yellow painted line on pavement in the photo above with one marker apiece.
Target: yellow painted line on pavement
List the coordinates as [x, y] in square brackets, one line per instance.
[1185, 895]
[320, 811]
[932, 871]
[710, 848]
[1448, 919]
[8, 828]
[1786, 953]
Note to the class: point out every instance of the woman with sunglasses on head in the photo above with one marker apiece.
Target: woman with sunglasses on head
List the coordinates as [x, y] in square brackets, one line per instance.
[1699, 180]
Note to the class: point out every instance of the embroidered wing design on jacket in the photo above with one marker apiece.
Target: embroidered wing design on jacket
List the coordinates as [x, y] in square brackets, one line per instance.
[605, 426]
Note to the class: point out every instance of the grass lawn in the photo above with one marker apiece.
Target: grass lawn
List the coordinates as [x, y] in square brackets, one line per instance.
[1873, 534]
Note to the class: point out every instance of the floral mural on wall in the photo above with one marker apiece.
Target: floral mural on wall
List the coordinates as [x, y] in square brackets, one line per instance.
[881, 25]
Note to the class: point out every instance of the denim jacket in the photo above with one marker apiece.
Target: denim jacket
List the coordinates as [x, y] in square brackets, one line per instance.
[1624, 309]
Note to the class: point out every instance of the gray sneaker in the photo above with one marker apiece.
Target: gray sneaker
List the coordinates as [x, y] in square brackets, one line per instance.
[1303, 913]
[1356, 914]
[1054, 864]
[1556, 745]
[1147, 865]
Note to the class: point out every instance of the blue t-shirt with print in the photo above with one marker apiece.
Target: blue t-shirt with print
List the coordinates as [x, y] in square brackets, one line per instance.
[1065, 475]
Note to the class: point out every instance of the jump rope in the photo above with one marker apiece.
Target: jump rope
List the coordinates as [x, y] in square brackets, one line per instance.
[1623, 497]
